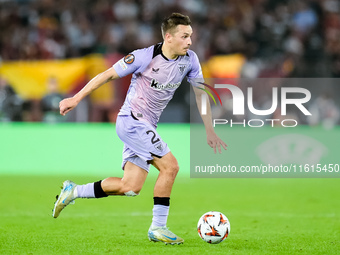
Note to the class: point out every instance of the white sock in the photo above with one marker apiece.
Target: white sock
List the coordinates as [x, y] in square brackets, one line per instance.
[84, 191]
[160, 215]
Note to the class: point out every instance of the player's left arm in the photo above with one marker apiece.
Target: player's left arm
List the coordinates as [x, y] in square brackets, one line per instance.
[194, 75]
[212, 138]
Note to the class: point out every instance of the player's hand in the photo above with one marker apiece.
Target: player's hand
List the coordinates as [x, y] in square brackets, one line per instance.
[214, 141]
[67, 105]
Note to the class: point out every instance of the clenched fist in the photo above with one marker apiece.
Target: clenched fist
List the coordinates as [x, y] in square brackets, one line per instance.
[67, 105]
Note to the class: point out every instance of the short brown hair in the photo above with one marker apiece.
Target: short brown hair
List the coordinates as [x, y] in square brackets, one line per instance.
[170, 23]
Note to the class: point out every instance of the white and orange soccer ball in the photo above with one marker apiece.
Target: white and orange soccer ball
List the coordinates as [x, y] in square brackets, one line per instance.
[213, 227]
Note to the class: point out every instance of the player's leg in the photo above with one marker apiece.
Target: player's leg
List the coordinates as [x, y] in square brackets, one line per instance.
[130, 185]
[145, 142]
[168, 169]
[130, 131]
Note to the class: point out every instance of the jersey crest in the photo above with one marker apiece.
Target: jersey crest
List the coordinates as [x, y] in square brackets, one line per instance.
[181, 68]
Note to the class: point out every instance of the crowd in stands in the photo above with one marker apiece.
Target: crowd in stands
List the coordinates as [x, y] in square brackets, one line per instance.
[261, 29]
[266, 31]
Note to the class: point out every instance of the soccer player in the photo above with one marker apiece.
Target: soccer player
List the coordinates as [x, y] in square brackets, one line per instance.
[157, 72]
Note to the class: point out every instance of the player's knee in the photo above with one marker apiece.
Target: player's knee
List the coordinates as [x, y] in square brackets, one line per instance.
[176, 168]
[173, 169]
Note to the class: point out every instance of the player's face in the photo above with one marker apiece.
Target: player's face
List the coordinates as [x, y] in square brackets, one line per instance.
[181, 39]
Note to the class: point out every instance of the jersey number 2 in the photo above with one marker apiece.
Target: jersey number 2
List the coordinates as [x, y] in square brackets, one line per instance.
[153, 140]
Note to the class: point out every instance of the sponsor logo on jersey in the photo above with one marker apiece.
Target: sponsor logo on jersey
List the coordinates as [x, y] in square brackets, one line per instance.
[155, 70]
[128, 59]
[156, 85]
[122, 64]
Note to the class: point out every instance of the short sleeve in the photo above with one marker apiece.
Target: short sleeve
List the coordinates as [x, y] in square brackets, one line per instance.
[130, 63]
[195, 72]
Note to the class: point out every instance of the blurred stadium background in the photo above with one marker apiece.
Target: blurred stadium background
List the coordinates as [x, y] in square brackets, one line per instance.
[50, 49]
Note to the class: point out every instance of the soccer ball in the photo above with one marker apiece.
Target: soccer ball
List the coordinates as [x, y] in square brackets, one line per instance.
[213, 227]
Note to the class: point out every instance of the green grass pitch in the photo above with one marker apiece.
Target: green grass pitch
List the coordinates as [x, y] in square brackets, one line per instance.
[268, 216]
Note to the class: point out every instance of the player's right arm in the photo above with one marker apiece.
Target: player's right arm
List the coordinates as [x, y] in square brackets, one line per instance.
[70, 103]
